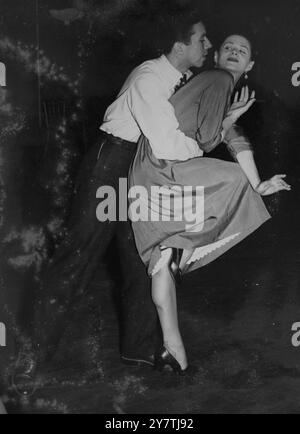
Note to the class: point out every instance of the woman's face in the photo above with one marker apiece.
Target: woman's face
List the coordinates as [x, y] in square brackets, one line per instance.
[235, 55]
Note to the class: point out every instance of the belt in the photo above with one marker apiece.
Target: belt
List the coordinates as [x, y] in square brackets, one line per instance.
[113, 140]
[106, 138]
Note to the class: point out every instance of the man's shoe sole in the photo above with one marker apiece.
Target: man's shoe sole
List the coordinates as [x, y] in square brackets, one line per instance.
[136, 362]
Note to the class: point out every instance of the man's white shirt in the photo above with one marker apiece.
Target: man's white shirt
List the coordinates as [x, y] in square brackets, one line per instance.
[143, 106]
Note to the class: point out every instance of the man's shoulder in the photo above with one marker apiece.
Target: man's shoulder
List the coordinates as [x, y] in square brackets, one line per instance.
[148, 67]
[146, 73]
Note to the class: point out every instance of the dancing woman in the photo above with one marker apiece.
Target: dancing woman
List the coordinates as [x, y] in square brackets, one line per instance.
[169, 241]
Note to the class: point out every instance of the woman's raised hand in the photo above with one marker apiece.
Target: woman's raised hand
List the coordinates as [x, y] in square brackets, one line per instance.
[242, 103]
[273, 185]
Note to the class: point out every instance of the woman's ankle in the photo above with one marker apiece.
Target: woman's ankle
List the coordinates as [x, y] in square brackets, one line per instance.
[177, 350]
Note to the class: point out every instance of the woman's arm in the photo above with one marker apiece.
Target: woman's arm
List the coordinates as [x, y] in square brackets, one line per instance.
[201, 105]
[265, 188]
[241, 150]
[247, 163]
[245, 158]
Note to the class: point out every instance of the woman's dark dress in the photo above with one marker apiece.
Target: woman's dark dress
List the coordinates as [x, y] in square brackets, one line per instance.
[232, 209]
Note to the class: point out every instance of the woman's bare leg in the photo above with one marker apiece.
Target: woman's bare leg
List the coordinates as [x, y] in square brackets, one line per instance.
[165, 299]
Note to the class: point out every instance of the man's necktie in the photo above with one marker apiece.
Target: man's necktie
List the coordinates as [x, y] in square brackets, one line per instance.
[182, 82]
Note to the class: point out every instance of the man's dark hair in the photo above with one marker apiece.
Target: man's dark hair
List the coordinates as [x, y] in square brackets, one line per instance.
[153, 26]
[175, 25]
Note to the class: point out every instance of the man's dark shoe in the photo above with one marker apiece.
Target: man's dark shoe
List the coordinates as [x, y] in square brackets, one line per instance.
[23, 378]
[138, 361]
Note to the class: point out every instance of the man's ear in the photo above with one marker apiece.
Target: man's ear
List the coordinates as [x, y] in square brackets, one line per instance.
[178, 48]
[216, 58]
[250, 66]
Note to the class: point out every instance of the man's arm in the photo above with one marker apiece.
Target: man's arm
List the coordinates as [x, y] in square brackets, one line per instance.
[156, 118]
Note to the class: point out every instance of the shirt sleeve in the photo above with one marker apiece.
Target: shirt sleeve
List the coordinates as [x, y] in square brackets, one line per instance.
[237, 141]
[156, 118]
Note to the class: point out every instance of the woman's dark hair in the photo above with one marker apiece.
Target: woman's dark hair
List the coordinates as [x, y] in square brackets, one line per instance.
[243, 34]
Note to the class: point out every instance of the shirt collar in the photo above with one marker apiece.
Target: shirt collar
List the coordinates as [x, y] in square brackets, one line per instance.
[170, 73]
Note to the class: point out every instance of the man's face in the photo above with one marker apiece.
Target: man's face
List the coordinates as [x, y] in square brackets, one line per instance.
[195, 53]
[235, 55]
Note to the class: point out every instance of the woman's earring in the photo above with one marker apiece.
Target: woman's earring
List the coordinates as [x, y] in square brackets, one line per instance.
[246, 76]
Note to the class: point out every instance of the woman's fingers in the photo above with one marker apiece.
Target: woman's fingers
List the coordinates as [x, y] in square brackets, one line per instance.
[249, 104]
[243, 94]
[278, 180]
[246, 96]
[284, 187]
[279, 176]
[274, 185]
[284, 184]
[238, 112]
[242, 102]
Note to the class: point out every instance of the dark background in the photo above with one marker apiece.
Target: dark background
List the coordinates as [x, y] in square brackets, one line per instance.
[52, 115]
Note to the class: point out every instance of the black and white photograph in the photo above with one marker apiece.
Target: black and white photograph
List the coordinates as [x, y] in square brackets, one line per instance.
[149, 209]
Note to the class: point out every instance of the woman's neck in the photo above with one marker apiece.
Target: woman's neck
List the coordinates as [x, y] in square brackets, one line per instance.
[236, 75]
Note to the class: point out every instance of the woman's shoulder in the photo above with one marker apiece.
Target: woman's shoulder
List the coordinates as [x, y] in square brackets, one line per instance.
[215, 77]
[213, 83]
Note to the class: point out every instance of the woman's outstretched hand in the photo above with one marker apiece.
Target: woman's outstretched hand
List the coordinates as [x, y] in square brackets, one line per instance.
[241, 105]
[273, 185]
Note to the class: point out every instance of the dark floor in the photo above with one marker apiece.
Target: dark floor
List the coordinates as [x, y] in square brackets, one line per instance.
[236, 317]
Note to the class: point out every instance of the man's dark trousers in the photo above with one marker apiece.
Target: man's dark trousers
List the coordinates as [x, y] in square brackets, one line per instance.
[70, 272]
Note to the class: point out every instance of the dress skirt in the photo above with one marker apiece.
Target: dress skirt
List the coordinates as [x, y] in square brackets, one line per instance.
[203, 204]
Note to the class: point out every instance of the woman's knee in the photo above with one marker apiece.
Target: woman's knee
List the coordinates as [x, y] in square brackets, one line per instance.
[161, 288]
